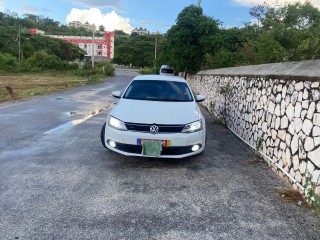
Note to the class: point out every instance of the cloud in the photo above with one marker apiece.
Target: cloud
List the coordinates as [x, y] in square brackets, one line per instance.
[250, 3]
[1, 5]
[110, 21]
[100, 4]
[32, 10]
[154, 23]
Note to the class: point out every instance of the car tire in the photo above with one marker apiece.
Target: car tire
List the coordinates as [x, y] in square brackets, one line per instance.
[102, 135]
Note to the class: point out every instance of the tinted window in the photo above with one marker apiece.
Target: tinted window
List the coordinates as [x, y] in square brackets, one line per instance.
[167, 70]
[159, 91]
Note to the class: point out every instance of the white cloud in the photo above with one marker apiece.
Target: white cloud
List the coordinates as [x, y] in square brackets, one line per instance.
[251, 3]
[110, 21]
[32, 9]
[100, 4]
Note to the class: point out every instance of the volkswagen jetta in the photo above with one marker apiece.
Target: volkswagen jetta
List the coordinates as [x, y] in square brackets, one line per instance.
[156, 116]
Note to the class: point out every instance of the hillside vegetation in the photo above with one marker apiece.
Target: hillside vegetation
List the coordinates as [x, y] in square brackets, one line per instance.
[197, 41]
[44, 64]
[38, 53]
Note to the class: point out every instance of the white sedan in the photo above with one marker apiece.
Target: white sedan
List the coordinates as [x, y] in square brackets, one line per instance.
[156, 116]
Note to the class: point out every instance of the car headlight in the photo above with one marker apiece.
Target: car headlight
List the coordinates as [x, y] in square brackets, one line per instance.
[192, 127]
[117, 124]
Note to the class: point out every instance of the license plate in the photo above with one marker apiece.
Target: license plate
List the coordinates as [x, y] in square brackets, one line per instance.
[165, 143]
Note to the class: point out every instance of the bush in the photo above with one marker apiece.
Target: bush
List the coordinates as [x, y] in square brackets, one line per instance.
[147, 71]
[8, 63]
[42, 60]
[100, 69]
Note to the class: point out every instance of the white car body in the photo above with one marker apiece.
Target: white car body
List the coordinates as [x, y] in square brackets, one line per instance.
[170, 117]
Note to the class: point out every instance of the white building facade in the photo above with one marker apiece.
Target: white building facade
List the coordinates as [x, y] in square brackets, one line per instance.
[99, 46]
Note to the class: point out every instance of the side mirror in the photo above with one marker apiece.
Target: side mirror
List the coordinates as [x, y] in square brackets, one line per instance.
[200, 98]
[116, 94]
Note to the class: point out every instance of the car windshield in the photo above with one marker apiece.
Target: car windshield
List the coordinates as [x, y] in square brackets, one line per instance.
[156, 90]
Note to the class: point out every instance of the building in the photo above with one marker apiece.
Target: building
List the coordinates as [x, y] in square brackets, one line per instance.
[89, 26]
[101, 46]
[156, 33]
[35, 31]
[140, 31]
[78, 24]
[75, 24]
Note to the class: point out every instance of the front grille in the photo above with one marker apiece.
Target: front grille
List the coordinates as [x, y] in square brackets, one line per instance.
[162, 128]
[165, 150]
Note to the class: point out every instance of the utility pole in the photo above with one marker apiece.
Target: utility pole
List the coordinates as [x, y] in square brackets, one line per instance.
[199, 3]
[155, 48]
[155, 54]
[19, 44]
[92, 55]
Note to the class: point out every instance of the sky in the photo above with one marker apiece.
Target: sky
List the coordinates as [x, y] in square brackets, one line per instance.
[154, 15]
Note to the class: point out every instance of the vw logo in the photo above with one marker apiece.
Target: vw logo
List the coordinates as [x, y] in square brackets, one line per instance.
[154, 129]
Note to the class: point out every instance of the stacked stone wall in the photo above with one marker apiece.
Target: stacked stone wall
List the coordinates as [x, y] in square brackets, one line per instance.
[279, 115]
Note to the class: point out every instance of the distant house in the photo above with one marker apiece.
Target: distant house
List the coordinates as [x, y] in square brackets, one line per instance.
[156, 33]
[78, 24]
[75, 24]
[88, 26]
[140, 31]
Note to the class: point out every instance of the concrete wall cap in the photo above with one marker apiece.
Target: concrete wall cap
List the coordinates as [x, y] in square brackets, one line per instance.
[285, 70]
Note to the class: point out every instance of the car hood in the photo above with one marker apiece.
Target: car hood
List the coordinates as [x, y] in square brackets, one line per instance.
[138, 111]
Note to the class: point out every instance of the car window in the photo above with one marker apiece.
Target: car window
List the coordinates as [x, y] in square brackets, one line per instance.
[159, 91]
[167, 70]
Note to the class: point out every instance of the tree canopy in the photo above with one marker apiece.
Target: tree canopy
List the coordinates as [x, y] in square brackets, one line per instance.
[188, 39]
[195, 42]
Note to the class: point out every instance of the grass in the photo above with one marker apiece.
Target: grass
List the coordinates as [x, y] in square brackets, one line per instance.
[145, 71]
[27, 85]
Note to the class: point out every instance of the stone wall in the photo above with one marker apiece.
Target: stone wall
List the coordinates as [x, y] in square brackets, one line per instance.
[273, 107]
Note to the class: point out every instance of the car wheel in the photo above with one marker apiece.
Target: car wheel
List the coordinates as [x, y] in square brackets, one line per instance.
[102, 135]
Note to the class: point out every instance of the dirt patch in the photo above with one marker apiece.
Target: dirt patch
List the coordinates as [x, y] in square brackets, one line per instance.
[217, 121]
[28, 85]
[291, 196]
[254, 162]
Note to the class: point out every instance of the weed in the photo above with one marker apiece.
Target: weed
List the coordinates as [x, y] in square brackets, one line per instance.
[225, 89]
[259, 142]
[310, 191]
[217, 121]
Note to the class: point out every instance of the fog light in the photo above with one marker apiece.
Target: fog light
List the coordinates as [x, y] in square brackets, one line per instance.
[195, 148]
[112, 143]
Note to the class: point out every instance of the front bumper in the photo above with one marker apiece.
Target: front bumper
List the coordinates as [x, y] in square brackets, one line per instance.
[180, 143]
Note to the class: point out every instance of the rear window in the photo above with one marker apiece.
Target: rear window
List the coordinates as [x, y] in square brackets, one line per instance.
[151, 90]
[167, 70]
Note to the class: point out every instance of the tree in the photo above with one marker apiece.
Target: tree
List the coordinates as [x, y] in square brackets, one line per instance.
[258, 12]
[136, 50]
[101, 28]
[186, 40]
[120, 32]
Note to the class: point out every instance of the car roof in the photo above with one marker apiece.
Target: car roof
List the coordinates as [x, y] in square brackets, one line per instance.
[160, 77]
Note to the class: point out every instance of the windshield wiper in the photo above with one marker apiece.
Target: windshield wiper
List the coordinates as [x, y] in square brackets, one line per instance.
[171, 100]
[151, 99]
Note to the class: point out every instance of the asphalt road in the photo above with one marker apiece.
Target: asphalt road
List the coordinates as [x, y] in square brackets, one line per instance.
[58, 182]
